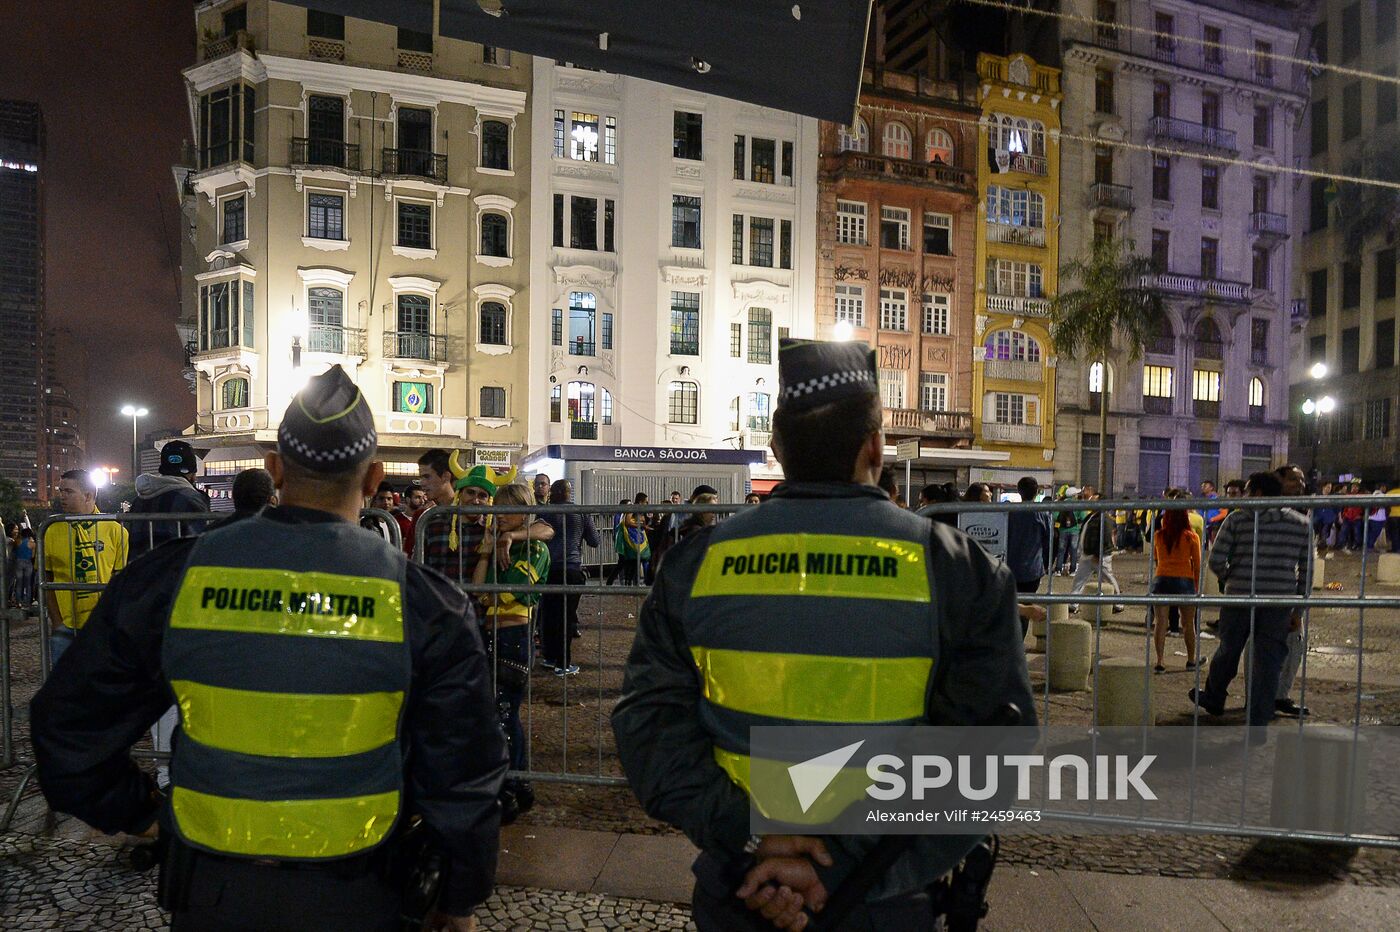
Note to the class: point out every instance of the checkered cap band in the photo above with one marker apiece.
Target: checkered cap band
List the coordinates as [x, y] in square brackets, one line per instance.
[348, 454]
[826, 381]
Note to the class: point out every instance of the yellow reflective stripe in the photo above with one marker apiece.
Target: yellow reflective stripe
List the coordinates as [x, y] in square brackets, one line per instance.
[770, 789]
[836, 565]
[266, 601]
[298, 828]
[810, 687]
[287, 724]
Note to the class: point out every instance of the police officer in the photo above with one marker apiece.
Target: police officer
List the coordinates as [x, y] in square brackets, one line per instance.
[835, 637]
[329, 693]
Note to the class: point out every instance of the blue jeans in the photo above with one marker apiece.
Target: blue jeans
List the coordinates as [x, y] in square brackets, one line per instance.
[1069, 551]
[1270, 651]
[60, 639]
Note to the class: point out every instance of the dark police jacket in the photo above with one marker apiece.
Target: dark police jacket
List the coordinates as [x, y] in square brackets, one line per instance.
[665, 728]
[108, 689]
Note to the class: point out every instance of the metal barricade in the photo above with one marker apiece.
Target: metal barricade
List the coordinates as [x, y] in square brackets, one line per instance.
[604, 597]
[1250, 602]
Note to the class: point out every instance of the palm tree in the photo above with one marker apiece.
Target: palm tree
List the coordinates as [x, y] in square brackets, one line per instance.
[1116, 304]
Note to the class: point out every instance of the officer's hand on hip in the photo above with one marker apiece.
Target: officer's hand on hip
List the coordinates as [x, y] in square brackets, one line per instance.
[441, 922]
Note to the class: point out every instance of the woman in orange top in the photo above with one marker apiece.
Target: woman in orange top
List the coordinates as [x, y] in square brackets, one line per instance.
[1176, 550]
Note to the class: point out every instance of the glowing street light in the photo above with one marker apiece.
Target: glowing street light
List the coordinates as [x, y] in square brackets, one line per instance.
[1324, 405]
[134, 412]
[1318, 370]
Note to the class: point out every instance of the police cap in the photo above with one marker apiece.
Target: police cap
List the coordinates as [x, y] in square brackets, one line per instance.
[812, 373]
[328, 426]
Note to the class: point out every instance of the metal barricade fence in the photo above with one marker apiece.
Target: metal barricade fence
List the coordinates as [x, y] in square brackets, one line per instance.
[173, 525]
[595, 604]
[1108, 637]
[565, 720]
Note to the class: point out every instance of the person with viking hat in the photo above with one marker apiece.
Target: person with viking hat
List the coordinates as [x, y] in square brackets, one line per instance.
[336, 708]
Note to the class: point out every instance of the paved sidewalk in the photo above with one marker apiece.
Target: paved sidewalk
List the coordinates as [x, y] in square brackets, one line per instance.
[656, 868]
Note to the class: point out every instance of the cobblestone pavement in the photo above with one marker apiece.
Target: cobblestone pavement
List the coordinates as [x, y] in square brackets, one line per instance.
[51, 884]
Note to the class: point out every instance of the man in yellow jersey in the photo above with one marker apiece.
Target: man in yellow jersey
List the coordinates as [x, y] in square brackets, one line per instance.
[329, 693]
[828, 605]
[78, 552]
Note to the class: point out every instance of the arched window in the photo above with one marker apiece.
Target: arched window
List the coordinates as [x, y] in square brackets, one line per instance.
[605, 406]
[938, 147]
[413, 338]
[325, 320]
[495, 235]
[683, 403]
[495, 145]
[1096, 378]
[760, 411]
[1256, 392]
[1206, 338]
[581, 402]
[556, 394]
[493, 323]
[898, 143]
[856, 137]
[1012, 345]
[1163, 342]
[234, 394]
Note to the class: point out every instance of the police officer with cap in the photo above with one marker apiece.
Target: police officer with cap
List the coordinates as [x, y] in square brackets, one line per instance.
[335, 706]
[811, 640]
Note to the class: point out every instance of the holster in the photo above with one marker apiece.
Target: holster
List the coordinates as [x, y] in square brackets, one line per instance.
[417, 867]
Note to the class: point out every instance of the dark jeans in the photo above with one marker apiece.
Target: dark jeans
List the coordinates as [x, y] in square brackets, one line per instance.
[714, 908]
[1270, 651]
[512, 644]
[559, 615]
[1392, 533]
[227, 895]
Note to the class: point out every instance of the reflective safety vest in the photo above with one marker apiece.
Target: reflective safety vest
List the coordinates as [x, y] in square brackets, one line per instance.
[288, 658]
[791, 624]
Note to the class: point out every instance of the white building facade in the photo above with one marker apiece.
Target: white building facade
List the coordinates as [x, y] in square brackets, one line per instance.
[1201, 84]
[673, 239]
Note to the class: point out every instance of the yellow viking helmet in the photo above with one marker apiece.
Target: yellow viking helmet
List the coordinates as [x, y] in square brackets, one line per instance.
[481, 477]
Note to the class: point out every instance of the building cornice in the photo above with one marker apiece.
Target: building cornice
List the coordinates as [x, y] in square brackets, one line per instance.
[1131, 61]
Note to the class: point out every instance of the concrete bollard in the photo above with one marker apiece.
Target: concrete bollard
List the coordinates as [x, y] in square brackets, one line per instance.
[1123, 685]
[1319, 579]
[1318, 785]
[1071, 647]
[1388, 568]
[1056, 612]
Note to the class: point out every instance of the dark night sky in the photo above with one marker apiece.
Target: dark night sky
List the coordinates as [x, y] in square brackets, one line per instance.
[108, 78]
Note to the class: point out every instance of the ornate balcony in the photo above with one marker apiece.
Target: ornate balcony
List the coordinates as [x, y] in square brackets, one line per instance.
[1011, 433]
[343, 341]
[416, 163]
[1216, 289]
[1197, 134]
[218, 48]
[1018, 305]
[325, 153]
[1154, 404]
[430, 347]
[1014, 235]
[885, 168]
[911, 421]
[1269, 224]
[1110, 196]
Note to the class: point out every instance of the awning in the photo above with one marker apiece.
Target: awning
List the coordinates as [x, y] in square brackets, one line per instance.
[763, 486]
[951, 456]
[805, 57]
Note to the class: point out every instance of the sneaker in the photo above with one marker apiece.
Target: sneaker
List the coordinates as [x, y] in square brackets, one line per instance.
[1198, 697]
[570, 670]
[1290, 708]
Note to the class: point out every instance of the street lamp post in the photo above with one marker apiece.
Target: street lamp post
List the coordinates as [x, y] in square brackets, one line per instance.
[1324, 405]
[134, 412]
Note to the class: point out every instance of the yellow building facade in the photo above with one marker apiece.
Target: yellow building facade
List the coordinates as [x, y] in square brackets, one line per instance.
[1018, 191]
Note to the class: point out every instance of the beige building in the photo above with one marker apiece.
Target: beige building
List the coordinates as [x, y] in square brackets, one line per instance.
[358, 194]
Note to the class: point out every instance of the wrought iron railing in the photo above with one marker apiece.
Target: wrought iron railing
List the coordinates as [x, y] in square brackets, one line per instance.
[1196, 133]
[1155, 404]
[1116, 196]
[331, 153]
[413, 345]
[328, 338]
[1262, 221]
[416, 163]
[883, 166]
